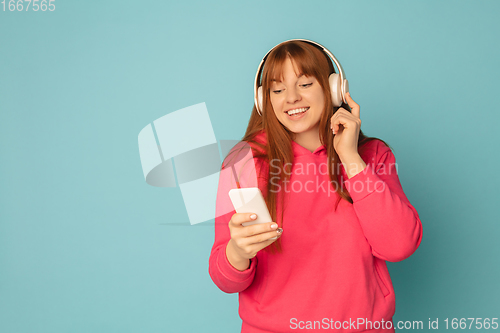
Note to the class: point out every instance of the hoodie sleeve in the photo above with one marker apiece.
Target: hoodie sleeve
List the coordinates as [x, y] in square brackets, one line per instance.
[238, 171]
[223, 274]
[390, 223]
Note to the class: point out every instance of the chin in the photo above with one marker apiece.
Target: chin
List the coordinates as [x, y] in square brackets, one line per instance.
[298, 130]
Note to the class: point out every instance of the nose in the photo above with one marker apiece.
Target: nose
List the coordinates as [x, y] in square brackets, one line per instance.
[293, 95]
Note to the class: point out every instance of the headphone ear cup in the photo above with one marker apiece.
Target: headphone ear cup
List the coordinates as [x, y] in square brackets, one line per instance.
[335, 88]
[259, 99]
[345, 89]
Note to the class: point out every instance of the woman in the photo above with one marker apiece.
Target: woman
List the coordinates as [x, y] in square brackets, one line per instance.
[338, 208]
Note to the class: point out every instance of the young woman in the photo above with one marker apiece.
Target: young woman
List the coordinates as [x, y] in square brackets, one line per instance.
[334, 195]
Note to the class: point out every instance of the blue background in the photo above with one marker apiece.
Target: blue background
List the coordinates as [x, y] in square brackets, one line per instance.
[85, 244]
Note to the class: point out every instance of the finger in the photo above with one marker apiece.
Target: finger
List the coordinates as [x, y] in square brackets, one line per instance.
[353, 105]
[341, 120]
[337, 113]
[264, 237]
[259, 228]
[239, 218]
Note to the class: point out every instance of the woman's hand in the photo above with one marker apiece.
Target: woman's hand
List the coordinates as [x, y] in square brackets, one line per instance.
[246, 241]
[345, 126]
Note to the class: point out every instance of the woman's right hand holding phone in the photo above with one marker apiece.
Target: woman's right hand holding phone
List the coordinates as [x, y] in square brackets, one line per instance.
[246, 241]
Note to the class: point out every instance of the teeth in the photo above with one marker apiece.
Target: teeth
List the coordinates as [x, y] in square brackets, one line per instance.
[295, 111]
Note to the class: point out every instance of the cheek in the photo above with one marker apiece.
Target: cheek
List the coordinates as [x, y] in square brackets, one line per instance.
[275, 103]
[319, 97]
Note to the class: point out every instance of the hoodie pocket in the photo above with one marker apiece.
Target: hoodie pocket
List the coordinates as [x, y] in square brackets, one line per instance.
[380, 281]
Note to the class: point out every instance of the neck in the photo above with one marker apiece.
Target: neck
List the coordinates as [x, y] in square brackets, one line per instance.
[309, 140]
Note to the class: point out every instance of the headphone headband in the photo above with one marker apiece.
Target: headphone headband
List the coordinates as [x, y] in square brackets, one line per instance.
[343, 81]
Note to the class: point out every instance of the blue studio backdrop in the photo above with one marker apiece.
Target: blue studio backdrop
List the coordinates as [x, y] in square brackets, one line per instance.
[87, 245]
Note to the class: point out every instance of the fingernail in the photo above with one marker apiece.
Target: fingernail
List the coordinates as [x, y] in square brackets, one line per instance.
[253, 216]
[279, 231]
[274, 226]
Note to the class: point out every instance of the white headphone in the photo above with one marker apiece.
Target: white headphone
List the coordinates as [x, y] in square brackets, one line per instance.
[339, 86]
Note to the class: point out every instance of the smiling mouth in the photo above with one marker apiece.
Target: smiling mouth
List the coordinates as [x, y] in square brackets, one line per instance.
[297, 111]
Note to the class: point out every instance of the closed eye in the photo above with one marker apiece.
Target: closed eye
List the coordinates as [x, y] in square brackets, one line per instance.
[301, 85]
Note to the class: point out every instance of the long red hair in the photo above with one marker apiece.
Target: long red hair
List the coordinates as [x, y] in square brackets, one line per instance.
[311, 61]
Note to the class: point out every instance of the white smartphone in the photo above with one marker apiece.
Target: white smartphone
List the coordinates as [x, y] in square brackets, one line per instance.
[250, 200]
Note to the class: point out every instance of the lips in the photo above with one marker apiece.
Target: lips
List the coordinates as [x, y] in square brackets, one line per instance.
[293, 111]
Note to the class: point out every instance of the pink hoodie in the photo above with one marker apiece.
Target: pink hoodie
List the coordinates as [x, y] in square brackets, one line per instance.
[332, 274]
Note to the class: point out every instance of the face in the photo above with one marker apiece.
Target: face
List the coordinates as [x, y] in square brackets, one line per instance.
[298, 102]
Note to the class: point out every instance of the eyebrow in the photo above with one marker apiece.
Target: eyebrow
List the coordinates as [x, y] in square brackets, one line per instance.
[298, 77]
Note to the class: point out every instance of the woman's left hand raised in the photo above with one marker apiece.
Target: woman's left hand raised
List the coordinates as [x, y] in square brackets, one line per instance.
[346, 126]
